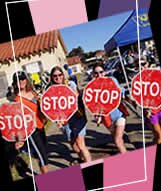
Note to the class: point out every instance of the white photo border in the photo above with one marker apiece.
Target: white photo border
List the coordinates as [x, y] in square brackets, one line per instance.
[15, 62]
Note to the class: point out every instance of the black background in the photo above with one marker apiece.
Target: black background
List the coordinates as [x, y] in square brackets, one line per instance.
[92, 8]
[22, 26]
[93, 176]
[155, 19]
[20, 21]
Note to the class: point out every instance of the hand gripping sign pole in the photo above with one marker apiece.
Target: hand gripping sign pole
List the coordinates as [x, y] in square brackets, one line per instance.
[12, 124]
[59, 103]
[101, 96]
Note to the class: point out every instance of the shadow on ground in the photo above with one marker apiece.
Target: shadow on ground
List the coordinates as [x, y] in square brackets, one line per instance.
[99, 144]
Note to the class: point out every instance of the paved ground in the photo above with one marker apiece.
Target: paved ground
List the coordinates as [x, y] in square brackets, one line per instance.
[98, 140]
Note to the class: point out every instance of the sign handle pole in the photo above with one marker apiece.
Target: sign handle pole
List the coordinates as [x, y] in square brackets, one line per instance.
[122, 64]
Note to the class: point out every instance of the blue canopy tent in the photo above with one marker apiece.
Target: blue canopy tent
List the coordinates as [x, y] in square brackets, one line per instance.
[127, 33]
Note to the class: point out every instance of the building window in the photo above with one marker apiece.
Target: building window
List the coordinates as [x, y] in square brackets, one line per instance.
[34, 67]
[34, 71]
[3, 84]
[74, 68]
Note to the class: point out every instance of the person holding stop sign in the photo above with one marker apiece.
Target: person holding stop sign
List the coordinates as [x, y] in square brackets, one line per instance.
[23, 91]
[152, 116]
[75, 127]
[115, 120]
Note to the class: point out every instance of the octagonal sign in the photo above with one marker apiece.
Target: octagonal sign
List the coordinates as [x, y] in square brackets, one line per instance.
[13, 123]
[59, 103]
[102, 95]
[149, 87]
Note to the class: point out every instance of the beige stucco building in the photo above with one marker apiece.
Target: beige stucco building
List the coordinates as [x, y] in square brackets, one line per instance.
[34, 55]
[75, 64]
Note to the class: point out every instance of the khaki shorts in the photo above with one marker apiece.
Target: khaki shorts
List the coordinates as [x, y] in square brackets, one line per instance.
[119, 122]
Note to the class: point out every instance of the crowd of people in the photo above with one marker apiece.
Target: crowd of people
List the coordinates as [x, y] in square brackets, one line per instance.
[152, 117]
[148, 59]
[131, 63]
[75, 128]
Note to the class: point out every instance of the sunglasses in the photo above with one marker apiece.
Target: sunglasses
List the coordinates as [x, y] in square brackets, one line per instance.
[143, 63]
[99, 72]
[57, 75]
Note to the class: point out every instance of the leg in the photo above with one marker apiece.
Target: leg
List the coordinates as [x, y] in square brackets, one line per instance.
[76, 148]
[118, 138]
[83, 148]
[44, 169]
[69, 132]
[78, 132]
[118, 134]
[40, 150]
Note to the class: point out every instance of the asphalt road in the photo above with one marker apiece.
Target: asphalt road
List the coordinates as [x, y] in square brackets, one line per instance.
[99, 140]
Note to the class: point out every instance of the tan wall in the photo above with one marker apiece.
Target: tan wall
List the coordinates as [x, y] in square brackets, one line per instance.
[48, 60]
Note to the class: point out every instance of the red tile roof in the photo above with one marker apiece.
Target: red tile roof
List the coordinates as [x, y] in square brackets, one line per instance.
[73, 60]
[26, 46]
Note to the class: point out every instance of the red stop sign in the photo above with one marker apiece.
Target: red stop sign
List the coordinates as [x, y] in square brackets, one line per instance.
[102, 96]
[59, 103]
[150, 90]
[13, 123]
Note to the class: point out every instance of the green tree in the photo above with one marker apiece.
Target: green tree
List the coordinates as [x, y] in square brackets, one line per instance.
[76, 52]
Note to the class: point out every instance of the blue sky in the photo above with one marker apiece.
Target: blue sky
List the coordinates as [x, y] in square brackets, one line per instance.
[93, 35]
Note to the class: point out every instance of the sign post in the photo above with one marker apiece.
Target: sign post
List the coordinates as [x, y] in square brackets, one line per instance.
[13, 123]
[102, 95]
[59, 103]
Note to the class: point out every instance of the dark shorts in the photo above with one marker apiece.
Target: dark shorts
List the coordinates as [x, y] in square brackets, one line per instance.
[38, 146]
[76, 127]
[73, 133]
